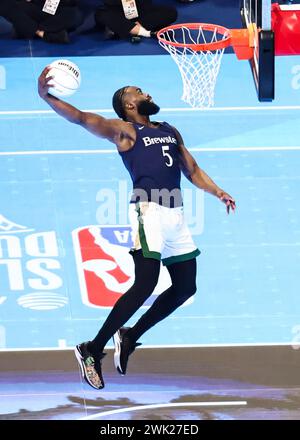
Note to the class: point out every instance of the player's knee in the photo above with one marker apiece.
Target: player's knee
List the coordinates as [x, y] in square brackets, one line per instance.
[183, 294]
[145, 286]
[150, 285]
[147, 289]
[193, 290]
[190, 291]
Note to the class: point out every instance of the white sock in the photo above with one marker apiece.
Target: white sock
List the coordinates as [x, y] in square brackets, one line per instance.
[143, 32]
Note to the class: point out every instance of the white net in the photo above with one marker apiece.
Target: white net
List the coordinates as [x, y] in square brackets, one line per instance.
[198, 68]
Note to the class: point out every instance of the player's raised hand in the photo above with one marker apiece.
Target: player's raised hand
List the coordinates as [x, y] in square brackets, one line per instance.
[43, 82]
[228, 200]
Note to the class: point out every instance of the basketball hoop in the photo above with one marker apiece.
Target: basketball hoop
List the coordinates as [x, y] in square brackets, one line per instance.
[197, 49]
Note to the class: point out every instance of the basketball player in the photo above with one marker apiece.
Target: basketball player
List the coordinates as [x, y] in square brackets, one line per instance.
[155, 155]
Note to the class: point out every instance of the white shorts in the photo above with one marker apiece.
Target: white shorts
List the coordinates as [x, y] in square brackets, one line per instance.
[161, 233]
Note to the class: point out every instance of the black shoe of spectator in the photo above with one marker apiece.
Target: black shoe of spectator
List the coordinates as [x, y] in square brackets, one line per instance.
[135, 39]
[109, 34]
[57, 37]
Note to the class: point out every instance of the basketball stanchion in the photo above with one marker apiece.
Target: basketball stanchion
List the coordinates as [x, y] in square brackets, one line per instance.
[197, 49]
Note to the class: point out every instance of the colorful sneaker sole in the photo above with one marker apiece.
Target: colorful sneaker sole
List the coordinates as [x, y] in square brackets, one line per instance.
[81, 363]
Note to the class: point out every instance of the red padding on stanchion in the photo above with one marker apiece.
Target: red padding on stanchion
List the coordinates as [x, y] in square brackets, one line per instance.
[286, 26]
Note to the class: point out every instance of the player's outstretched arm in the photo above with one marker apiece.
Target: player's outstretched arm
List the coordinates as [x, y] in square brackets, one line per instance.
[199, 178]
[111, 129]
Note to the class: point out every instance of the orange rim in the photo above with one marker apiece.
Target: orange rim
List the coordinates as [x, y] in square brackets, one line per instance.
[215, 45]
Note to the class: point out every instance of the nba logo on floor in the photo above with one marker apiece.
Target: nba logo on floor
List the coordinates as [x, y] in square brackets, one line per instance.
[104, 266]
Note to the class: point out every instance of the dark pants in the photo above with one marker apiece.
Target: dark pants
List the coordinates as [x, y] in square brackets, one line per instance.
[183, 276]
[151, 17]
[27, 18]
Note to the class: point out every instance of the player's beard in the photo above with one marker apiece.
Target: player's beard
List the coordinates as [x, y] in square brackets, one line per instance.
[147, 108]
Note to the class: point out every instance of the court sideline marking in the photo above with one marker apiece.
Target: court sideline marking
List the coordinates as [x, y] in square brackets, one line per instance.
[165, 109]
[114, 151]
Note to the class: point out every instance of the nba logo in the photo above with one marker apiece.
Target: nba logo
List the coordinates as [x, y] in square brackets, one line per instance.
[104, 266]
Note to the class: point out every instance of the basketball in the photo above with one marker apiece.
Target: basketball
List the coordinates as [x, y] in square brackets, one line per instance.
[66, 78]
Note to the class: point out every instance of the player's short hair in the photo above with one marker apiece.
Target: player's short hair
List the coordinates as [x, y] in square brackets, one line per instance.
[118, 104]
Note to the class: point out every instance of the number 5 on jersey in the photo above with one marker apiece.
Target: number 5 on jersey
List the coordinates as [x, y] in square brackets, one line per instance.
[165, 149]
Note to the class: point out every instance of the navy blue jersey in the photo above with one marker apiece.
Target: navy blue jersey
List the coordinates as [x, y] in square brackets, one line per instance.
[153, 164]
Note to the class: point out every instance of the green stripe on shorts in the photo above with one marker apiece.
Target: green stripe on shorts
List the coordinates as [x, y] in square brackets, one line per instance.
[179, 258]
[145, 249]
